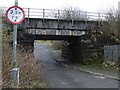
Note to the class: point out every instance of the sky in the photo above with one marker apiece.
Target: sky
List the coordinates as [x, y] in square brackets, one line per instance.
[85, 5]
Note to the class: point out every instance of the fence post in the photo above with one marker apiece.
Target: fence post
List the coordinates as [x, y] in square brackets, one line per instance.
[86, 20]
[43, 23]
[43, 13]
[28, 15]
[99, 19]
[58, 15]
[43, 18]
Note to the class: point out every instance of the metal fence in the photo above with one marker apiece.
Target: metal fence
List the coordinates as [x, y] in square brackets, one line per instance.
[112, 53]
[60, 14]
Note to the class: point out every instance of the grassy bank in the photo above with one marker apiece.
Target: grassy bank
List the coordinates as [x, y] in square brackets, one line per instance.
[30, 71]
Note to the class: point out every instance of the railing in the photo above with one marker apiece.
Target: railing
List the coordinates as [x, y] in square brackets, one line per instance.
[61, 14]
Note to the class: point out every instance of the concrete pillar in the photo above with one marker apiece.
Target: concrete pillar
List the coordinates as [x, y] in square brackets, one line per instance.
[72, 50]
[26, 40]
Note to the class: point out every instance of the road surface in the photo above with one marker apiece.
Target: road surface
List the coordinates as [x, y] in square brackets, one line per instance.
[58, 76]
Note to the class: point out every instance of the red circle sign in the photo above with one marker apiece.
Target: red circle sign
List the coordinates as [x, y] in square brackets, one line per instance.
[15, 15]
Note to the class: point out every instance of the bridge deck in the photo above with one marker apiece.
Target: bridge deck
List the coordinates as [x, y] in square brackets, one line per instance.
[59, 26]
[65, 21]
[56, 37]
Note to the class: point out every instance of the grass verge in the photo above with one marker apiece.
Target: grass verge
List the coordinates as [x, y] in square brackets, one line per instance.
[30, 70]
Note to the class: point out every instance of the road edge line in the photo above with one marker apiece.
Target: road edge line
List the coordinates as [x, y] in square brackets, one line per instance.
[99, 74]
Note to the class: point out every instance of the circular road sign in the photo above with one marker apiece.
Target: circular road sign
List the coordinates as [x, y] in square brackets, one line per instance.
[15, 15]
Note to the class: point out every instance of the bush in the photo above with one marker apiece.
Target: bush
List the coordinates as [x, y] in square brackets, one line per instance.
[6, 59]
[30, 71]
[57, 45]
[111, 65]
[93, 61]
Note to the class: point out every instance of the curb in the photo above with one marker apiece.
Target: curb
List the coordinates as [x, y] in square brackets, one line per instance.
[86, 71]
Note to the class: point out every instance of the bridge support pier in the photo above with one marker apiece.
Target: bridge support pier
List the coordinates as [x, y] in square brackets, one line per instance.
[72, 50]
[26, 41]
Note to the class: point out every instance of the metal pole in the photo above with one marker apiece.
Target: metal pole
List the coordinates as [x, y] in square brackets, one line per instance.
[58, 17]
[14, 40]
[14, 45]
[28, 15]
[16, 2]
[43, 13]
[15, 70]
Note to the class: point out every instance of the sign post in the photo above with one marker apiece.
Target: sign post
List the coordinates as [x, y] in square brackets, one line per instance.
[15, 15]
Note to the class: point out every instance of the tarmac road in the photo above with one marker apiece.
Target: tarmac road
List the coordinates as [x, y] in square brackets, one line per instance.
[58, 76]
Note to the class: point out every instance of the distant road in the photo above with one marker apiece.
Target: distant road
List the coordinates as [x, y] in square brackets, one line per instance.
[58, 76]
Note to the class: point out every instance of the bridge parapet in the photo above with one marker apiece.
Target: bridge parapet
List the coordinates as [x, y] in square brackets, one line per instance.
[61, 21]
[63, 14]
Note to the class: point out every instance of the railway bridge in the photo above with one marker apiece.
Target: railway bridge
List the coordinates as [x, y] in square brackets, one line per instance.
[61, 23]
[67, 25]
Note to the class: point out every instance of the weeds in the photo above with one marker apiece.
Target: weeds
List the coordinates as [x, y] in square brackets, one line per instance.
[99, 63]
[93, 61]
[6, 59]
[111, 65]
[57, 45]
[30, 71]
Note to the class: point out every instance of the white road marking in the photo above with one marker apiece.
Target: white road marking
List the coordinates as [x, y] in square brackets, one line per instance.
[101, 77]
[64, 83]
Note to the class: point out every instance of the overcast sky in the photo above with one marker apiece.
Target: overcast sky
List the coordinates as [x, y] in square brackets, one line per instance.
[86, 5]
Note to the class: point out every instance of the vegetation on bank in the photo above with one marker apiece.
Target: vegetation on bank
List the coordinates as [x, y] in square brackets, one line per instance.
[91, 47]
[91, 62]
[99, 63]
[30, 70]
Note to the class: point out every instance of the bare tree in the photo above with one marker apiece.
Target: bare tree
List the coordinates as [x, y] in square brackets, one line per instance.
[71, 13]
[112, 20]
